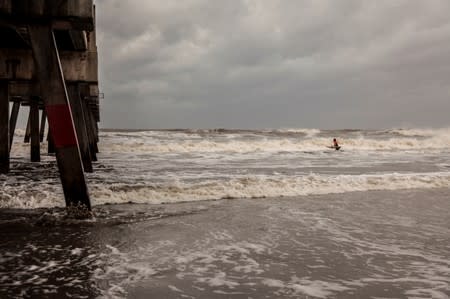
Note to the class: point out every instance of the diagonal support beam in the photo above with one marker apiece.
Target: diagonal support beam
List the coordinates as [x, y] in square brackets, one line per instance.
[26, 138]
[13, 122]
[56, 102]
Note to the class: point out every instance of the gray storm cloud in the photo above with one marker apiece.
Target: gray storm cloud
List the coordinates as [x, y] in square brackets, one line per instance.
[274, 63]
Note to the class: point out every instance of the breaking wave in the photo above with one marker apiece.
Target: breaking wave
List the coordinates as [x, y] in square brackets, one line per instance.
[275, 145]
[35, 196]
[263, 186]
[247, 141]
[192, 165]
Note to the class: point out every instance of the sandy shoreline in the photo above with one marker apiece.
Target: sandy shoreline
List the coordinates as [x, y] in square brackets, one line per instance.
[383, 244]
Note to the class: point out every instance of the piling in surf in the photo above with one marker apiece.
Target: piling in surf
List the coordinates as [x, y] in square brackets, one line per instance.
[49, 62]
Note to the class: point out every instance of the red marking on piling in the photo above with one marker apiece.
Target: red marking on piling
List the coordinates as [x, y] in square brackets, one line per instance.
[61, 125]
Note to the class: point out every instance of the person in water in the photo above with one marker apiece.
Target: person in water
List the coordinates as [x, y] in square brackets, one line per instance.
[335, 144]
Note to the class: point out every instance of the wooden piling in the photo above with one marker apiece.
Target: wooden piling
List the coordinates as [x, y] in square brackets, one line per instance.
[34, 130]
[97, 139]
[80, 124]
[51, 144]
[26, 138]
[4, 127]
[90, 129]
[42, 128]
[13, 122]
[54, 93]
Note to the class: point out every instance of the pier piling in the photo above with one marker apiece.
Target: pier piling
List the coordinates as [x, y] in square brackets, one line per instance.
[50, 144]
[90, 130]
[56, 101]
[49, 62]
[80, 125]
[26, 138]
[35, 154]
[42, 128]
[4, 128]
[13, 121]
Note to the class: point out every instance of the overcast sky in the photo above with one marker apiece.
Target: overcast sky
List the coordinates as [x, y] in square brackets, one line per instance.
[274, 63]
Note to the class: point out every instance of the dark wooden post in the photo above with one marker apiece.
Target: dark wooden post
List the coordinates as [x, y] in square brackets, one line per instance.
[51, 145]
[42, 129]
[4, 127]
[56, 101]
[13, 121]
[90, 129]
[80, 124]
[97, 139]
[26, 139]
[34, 129]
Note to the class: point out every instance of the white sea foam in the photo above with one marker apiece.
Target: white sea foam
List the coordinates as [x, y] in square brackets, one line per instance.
[30, 196]
[123, 268]
[19, 132]
[44, 196]
[188, 142]
[284, 145]
[173, 166]
[21, 149]
[235, 145]
[422, 132]
[315, 288]
[263, 186]
[307, 132]
[426, 293]
[199, 263]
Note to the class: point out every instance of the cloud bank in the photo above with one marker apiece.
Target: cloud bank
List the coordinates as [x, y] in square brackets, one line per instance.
[274, 63]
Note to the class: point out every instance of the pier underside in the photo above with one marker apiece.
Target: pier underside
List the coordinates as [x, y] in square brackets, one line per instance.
[49, 63]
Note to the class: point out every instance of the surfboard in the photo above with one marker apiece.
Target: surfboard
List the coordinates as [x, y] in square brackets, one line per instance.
[334, 147]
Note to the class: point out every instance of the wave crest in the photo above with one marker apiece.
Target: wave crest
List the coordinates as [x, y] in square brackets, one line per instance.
[261, 187]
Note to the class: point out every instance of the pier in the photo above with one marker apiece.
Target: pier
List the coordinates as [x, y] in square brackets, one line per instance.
[49, 63]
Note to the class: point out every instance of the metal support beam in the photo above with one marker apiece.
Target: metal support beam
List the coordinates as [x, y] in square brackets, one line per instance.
[59, 115]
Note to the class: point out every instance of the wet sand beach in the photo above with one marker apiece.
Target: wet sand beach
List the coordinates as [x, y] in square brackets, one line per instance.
[377, 244]
[235, 214]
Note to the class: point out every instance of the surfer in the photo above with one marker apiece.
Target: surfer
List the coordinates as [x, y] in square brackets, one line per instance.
[335, 144]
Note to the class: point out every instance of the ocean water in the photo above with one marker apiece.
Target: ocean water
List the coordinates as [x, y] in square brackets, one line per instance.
[193, 165]
[236, 214]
